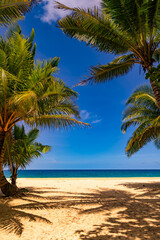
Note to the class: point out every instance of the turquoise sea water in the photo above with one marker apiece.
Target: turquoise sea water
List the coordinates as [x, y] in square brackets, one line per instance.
[85, 173]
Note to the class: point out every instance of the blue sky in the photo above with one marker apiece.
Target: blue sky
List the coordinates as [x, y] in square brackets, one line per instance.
[103, 145]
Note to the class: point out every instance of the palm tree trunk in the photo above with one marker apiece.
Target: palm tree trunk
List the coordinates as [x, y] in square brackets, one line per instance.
[14, 175]
[6, 188]
[2, 138]
[156, 91]
[3, 180]
[155, 88]
[14, 179]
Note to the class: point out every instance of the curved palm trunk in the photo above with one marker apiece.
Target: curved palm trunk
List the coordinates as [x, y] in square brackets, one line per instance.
[6, 188]
[156, 92]
[155, 88]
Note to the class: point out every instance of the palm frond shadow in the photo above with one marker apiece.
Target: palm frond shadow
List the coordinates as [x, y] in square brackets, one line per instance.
[136, 215]
[10, 218]
[150, 189]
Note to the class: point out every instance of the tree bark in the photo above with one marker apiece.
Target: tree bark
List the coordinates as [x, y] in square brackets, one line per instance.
[13, 179]
[6, 188]
[156, 91]
[14, 175]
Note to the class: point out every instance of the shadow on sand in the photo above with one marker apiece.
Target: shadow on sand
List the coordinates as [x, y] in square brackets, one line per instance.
[128, 216]
[137, 216]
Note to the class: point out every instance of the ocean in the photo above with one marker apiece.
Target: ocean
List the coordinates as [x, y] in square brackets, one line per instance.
[85, 173]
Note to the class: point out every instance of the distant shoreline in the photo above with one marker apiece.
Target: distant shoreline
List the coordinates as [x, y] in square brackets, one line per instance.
[86, 174]
[100, 178]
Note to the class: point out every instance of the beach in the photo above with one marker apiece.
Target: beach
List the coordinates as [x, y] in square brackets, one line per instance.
[90, 209]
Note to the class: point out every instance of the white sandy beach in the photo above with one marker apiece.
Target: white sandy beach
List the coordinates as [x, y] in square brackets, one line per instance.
[90, 209]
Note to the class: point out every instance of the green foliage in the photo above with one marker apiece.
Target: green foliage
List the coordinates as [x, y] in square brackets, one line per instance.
[154, 74]
[123, 27]
[21, 148]
[12, 10]
[29, 91]
[143, 113]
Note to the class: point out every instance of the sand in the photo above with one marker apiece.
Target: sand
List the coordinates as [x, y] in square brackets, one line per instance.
[90, 209]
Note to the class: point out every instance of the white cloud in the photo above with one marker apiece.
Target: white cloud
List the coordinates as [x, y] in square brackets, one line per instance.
[51, 14]
[84, 115]
[89, 117]
[96, 121]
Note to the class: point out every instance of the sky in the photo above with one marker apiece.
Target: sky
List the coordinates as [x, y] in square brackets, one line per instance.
[103, 145]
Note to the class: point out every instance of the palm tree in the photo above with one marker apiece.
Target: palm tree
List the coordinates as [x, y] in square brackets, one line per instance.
[29, 92]
[142, 111]
[21, 148]
[12, 10]
[130, 29]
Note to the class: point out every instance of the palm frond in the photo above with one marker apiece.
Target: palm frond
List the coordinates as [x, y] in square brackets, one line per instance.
[153, 19]
[142, 111]
[55, 121]
[101, 73]
[118, 27]
[156, 54]
[142, 137]
[30, 91]
[23, 148]
[124, 14]
[94, 28]
[11, 10]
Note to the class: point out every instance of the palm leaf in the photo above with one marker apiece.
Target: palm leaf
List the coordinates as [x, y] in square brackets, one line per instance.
[101, 73]
[119, 27]
[94, 28]
[124, 14]
[11, 10]
[142, 111]
[55, 121]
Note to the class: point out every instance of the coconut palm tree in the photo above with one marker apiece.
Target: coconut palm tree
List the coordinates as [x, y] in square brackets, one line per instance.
[129, 29]
[142, 111]
[29, 92]
[12, 10]
[21, 148]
